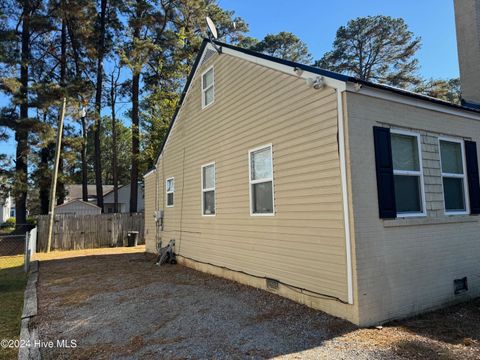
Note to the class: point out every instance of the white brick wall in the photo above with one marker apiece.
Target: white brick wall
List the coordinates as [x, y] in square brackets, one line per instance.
[405, 266]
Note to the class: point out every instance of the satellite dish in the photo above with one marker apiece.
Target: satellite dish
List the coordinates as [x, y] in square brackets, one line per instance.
[212, 28]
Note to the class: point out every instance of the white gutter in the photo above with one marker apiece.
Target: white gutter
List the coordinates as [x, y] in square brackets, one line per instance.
[346, 213]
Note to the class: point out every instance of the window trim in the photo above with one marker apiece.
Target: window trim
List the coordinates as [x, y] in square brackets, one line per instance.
[211, 86]
[419, 173]
[252, 182]
[214, 189]
[169, 192]
[457, 176]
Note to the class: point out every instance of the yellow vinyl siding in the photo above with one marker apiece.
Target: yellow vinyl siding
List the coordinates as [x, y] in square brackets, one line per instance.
[304, 243]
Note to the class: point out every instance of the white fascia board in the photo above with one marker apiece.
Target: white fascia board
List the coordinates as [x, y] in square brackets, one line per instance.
[404, 99]
[334, 83]
[152, 171]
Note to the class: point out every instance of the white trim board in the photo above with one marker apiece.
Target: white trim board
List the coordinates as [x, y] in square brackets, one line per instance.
[214, 189]
[150, 172]
[406, 100]
[418, 173]
[346, 208]
[253, 182]
[464, 176]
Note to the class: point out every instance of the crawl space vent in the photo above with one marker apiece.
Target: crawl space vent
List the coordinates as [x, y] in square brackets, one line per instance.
[272, 284]
[460, 285]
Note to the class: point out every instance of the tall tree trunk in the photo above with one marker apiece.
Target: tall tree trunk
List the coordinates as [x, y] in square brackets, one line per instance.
[135, 144]
[98, 105]
[78, 77]
[21, 134]
[135, 122]
[63, 73]
[84, 160]
[113, 97]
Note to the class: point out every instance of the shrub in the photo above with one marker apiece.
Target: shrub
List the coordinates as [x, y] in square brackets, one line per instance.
[10, 223]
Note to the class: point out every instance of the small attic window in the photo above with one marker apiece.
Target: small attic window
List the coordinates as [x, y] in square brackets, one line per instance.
[208, 88]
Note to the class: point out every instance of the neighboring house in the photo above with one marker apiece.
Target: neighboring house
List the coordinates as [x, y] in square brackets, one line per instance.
[77, 207]
[123, 199]
[74, 192]
[358, 199]
[7, 208]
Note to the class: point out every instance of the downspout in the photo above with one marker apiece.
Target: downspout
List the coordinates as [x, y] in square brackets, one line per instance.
[343, 174]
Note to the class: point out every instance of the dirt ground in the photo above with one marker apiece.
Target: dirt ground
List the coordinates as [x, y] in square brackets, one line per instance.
[120, 305]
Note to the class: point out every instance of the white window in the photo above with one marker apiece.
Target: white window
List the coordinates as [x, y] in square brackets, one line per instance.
[408, 173]
[208, 189]
[208, 88]
[452, 155]
[261, 181]
[170, 190]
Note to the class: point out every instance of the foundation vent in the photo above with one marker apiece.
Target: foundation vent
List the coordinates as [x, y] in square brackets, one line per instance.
[272, 284]
[460, 285]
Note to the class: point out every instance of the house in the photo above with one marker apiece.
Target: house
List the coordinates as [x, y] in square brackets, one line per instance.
[351, 197]
[7, 208]
[74, 192]
[123, 199]
[77, 207]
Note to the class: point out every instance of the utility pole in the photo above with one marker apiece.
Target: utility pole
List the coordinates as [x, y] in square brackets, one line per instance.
[53, 189]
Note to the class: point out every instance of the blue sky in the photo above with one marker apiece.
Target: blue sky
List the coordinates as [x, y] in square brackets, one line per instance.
[316, 23]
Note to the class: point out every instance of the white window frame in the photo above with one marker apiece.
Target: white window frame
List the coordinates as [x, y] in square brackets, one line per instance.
[458, 176]
[204, 190]
[169, 192]
[413, 173]
[211, 86]
[252, 182]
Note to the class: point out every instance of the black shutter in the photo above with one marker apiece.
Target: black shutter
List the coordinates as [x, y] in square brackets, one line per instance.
[473, 178]
[384, 166]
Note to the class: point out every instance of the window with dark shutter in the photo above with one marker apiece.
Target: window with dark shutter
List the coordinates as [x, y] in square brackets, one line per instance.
[454, 176]
[385, 178]
[472, 175]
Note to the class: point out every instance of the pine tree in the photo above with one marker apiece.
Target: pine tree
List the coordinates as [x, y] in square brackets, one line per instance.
[375, 48]
[284, 45]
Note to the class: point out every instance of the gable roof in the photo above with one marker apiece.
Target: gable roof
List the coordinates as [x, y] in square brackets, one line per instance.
[140, 188]
[74, 191]
[308, 68]
[76, 201]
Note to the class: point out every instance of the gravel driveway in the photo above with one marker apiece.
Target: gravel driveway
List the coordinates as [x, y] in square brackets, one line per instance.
[122, 306]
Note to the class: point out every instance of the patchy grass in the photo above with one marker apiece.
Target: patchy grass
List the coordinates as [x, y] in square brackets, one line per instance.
[12, 285]
[68, 254]
[6, 230]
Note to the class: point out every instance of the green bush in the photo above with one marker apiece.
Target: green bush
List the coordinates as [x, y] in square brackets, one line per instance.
[31, 220]
[10, 223]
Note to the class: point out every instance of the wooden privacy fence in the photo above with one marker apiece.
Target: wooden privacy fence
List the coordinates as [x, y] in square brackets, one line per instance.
[72, 232]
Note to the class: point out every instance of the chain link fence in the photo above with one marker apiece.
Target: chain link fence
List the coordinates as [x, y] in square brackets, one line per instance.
[16, 250]
[12, 251]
